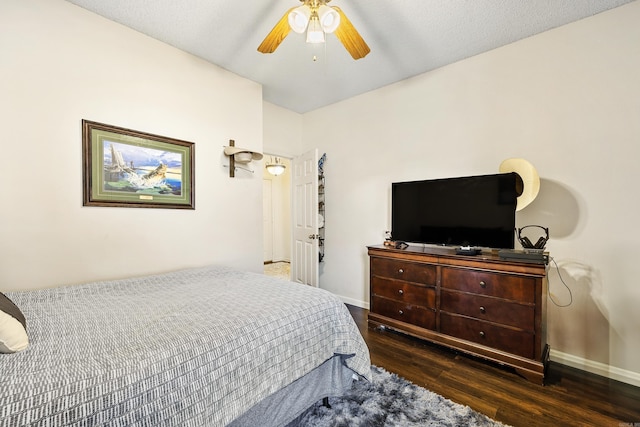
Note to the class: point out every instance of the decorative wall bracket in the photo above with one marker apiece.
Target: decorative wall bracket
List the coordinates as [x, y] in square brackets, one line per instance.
[239, 155]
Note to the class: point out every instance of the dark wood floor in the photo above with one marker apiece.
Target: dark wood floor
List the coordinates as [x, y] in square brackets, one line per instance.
[571, 397]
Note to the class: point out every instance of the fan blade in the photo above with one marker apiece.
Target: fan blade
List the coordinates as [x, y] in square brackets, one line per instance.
[277, 34]
[350, 38]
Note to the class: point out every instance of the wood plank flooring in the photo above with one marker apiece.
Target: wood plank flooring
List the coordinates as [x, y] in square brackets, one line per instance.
[571, 397]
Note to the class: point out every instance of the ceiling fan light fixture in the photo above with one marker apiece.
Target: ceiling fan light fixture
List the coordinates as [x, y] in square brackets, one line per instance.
[329, 18]
[299, 18]
[314, 32]
[317, 19]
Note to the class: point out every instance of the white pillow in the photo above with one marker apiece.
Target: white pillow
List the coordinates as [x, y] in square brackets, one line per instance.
[13, 332]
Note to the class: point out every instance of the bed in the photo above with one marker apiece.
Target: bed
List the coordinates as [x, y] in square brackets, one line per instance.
[208, 346]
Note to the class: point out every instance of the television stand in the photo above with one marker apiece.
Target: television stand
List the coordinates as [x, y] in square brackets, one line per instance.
[468, 251]
[484, 306]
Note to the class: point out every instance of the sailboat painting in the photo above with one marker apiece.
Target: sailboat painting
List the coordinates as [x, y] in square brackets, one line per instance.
[140, 169]
[134, 169]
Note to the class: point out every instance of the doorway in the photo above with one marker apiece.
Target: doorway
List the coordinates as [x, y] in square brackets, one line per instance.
[277, 218]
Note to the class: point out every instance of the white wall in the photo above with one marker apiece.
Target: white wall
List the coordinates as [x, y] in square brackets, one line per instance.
[61, 64]
[282, 131]
[568, 100]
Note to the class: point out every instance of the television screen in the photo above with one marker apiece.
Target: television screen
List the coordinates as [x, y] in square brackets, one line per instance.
[477, 211]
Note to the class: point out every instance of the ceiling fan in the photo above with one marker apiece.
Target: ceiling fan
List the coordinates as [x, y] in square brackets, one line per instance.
[317, 19]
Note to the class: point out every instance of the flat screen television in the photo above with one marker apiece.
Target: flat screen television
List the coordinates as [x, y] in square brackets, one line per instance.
[477, 211]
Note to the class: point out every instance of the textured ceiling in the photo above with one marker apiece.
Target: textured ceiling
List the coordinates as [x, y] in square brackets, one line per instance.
[406, 37]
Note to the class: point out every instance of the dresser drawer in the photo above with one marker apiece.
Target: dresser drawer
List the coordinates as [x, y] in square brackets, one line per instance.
[402, 270]
[404, 292]
[416, 315]
[517, 288]
[512, 341]
[489, 309]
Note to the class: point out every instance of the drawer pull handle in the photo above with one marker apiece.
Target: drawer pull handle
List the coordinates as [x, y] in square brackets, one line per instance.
[483, 310]
[400, 312]
[400, 291]
[481, 334]
[483, 284]
[400, 271]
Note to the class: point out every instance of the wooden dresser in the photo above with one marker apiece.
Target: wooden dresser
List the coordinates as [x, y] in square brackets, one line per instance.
[480, 305]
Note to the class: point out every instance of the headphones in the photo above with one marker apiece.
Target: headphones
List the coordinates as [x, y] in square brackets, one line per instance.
[526, 243]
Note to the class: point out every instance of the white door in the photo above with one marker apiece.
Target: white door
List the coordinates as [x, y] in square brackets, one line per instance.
[304, 266]
[267, 218]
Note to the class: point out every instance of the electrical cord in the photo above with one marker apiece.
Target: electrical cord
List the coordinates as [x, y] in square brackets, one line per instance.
[565, 285]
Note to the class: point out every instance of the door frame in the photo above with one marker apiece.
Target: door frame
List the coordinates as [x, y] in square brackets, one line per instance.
[281, 250]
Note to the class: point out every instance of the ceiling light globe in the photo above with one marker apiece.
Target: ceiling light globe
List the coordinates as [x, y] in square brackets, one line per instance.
[329, 18]
[275, 169]
[299, 18]
[315, 33]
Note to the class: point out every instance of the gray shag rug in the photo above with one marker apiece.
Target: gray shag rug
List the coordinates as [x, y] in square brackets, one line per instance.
[390, 401]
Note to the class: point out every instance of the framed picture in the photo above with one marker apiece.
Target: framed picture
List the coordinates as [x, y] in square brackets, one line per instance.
[127, 168]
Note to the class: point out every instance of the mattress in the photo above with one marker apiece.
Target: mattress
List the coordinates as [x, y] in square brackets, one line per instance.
[187, 348]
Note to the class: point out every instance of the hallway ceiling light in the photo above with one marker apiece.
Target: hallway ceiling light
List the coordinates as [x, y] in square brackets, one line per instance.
[275, 168]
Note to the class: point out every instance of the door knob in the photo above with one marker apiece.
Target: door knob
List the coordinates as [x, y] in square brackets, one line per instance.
[314, 236]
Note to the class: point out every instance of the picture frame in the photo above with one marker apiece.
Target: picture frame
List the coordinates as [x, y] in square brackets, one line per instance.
[133, 169]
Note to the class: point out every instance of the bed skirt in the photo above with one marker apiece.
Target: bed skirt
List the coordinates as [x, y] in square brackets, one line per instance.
[331, 379]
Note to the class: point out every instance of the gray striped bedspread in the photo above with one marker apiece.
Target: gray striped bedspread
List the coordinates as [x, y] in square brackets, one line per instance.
[196, 347]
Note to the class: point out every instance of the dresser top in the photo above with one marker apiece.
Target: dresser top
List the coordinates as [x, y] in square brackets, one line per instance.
[444, 255]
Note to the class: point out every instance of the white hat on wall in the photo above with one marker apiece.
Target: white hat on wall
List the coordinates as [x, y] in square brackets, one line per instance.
[242, 155]
[529, 176]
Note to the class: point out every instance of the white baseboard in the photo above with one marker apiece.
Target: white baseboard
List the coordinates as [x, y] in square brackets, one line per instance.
[597, 368]
[355, 302]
